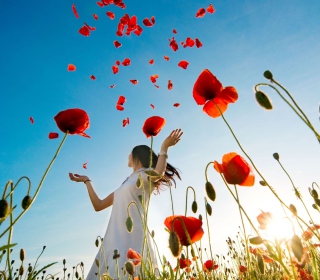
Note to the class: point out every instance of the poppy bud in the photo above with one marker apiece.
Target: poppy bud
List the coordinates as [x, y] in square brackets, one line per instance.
[130, 268]
[194, 207]
[116, 254]
[82, 264]
[268, 75]
[313, 193]
[97, 262]
[276, 156]
[129, 224]
[209, 208]
[315, 206]
[64, 260]
[192, 253]
[256, 240]
[296, 247]
[183, 257]
[200, 217]
[263, 183]
[211, 193]
[22, 255]
[174, 244]
[260, 263]
[29, 268]
[97, 242]
[293, 209]
[21, 270]
[140, 198]
[317, 201]
[152, 233]
[263, 100]
[26, 201]
[139, 182]
[4, 208]
[77, 274]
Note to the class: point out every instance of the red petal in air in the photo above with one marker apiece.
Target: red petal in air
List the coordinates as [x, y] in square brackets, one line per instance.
[183, 64]
[174, 31]
[53, 135]
[115, 69]
[85, 165]
[154, 78]
[110, 15]
[198, 43]
[95, 16]
[117, 44]
[170, 85]
[112, 86]
[93, 77]
[119, 107]
[71, 67]
[156, 86]
[173, 44]
[121, 100]
[100, 4]
[147, 22]
[126, 62]
[152, 106]
[200, 13]
[134, 81]
[176, 104]
[125, 122]
[151, 61]
[118, 62]
[138, 30]
[31, 120]
[84, 30]
[166, 58]
[75, 11]
[210, 9]
[90, 27]
[153, 20]
[189, 42]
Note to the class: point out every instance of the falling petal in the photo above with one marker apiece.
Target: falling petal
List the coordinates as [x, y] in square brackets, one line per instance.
[200, 13]
[115, 69]
[189, 42]
[156, 86]
[166, 58]
[154, 78]
[170, 85]
[153, 20]
[110, 15]
[126, 62]
[71, 67]
[75, 11]
[173, 44]
[90, 27]
[112, 86]
[152, 106]
[121, 100]
[95, 16]
[176, 104]
[198, 43]
[174, 31]
[93, 77]
[53, 135]
[151, 61]
[119, 107]
[117, 44]
[125, 122]
[84, 30]
[31, 120]
[85, 165]
[147, 22]
[134, 81]
[210, 9]
[118, 62]
[183, 64]
[100, 4]
[138, 30]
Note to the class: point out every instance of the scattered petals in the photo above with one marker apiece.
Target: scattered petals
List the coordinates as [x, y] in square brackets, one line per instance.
[154, 78]
[90, 27]
[210, 9]
[153, 20]
[84, 30]
[138, 30]
[121, 100]
[31, 120]
[125, 122]
[152, 106]
[166, 58]
[201, 12]
[126, 62]
[151, 61]
[118, 62]
[147, 22]
[170, 85]
[173, 44]
[112, 86]
[71, 67]
[95, 16]
[110, 15]
[100, 4]
[85, 165]
[174, 31]
[115, 69]
[75, 11]
[93, 77]
[198, 43]
[176, 104]
[134, 81]
[117, 44]
[189, 43]
[183, 64]
[53, 135]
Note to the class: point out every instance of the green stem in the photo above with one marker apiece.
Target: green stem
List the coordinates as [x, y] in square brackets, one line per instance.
[206, 171]
[10, 234]
[194, 197]
[171, 201]
[205, 202]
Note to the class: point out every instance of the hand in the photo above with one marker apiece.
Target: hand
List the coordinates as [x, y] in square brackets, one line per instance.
[77, 177]
[172, 139]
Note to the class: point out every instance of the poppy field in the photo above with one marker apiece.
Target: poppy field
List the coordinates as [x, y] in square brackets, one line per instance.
[122, 73]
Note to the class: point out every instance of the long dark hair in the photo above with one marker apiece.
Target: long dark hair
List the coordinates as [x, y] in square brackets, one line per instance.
[142, 153]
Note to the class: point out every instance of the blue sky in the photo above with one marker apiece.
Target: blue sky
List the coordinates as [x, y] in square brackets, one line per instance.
[240, 40]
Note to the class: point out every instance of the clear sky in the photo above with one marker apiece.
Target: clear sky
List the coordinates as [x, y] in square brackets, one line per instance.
[240, 40]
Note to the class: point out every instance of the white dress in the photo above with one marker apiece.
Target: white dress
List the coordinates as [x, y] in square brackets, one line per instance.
[117, 236]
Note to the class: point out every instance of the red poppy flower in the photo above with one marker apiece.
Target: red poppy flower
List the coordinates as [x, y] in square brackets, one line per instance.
[115, 69]
[125, 122]
[193, 226]
[31, 120]
[184, 263]
[75, 10]
[76, 121]
[71, 67]
[147, 22]
[176, 104]
[112, 86]
[117, 44]
[153, 125]
[151, 61]
[166, 58]
[201, 12]
[92, 77]
[198, 43]
[207, 89]
[110, 15]
[85, 165]
[170, 85]
[174, 31]
[183, 64]
[152, 106]
[84, 30]
[235, 170]
[210, 9]
[154, 78]
[173, 44]
[134, 81]
[126, 62]
[134, 256]
[53, 135]
[95, 16]
[264, 219]
[242, 269]
[209, 265]
[118, 62]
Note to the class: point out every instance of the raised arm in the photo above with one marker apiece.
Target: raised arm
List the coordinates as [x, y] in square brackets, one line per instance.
[97, 203]
[171, 140]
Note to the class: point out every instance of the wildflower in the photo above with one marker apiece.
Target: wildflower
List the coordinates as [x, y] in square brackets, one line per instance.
[153, 125]
[184, 263]
[242, 269]
[306, 235]
[134, 256]
[264, 219]
[209, 265]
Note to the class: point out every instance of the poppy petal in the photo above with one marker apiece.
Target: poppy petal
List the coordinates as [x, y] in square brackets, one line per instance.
[117, 44]
[53, 135]
[119, 107]
[166, 58]
[85, 165]
[197, 235]
[92, 77]
[110, 15]
[176, 104]
[112, 86]
[198, 43]
[31, 120]
[95, 16]
[126, 62]
[151, 61]
[201, 12]
[211, 109]
[84, 30]
[183, 64]
[75, 10]
[125, 122]
[115, 69]
[228, 95]
[147, 22]
[189, 42]
[174, 31]
[71, 67]
[170, 85]
[152, 106]
[90, 27]
[153, 20]
[249, 181]
[173, 44]
[210, 9]
[134, 81]
[118, 62]
[100, 4]
[218, 167]
[121, 100]
[154, 78]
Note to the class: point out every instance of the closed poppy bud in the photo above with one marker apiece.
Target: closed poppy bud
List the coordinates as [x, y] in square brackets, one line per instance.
[194, 207]
[29, 268]
[152, 233]
[263, 100]
[82, 264]
[276, 156]
[77, 274]
[260, 263]
[200, 217]
[263, 183]
[130, 268]
[174, 244]
[4, 208]
[140, 198]
[97, 262]
[129, 224]
[139, 182]
[211, 193]
[315, 206]
[209, 208]
[22, 255]
[297, 247]
[192, 253]
[317, 201]
[97, 242]
[313, 193]
[293, 209]
[268, 75]
[26, 201]
[21, 270]
[256, 240]
[64, 260]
